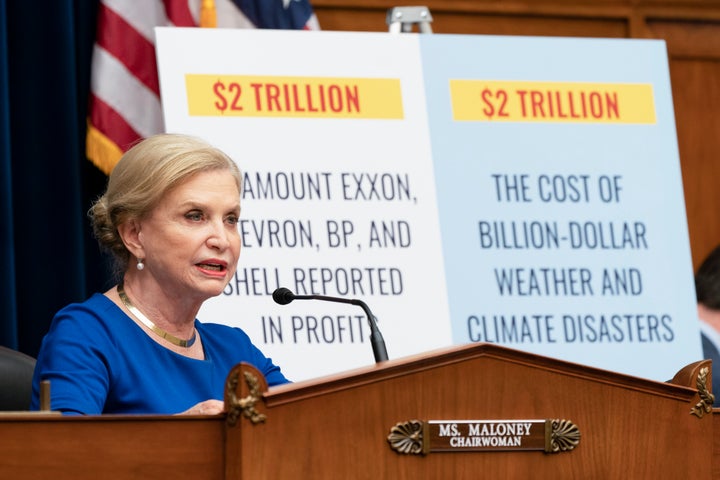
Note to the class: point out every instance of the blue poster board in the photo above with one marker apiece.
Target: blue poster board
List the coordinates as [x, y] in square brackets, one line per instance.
[563, 224]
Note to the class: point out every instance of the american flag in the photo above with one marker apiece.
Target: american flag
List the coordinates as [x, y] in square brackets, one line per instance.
[124, 101]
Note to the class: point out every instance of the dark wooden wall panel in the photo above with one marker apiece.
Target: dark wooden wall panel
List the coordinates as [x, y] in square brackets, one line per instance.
[694, 51]
[688, 40]
[503, 24]
[691, 29]
[696, 94]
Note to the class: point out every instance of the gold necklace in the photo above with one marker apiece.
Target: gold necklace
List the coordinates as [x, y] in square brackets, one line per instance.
[146, 321]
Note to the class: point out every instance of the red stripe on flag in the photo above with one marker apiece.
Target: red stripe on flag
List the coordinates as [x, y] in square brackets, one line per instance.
[178, 12]
[133, 50]
[112, 124]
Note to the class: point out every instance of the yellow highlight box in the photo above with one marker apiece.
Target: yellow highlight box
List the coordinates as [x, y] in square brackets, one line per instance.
[295, 97]
[513, 101]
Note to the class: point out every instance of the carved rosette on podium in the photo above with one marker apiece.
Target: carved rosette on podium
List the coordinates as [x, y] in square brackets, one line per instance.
[420, 438]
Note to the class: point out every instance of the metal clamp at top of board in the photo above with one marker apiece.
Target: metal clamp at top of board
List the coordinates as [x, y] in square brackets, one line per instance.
[402, 19]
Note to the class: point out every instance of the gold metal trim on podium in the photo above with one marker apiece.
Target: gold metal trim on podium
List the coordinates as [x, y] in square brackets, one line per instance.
[561, 436]
[245, 406]
[407, 437]
[707, 399]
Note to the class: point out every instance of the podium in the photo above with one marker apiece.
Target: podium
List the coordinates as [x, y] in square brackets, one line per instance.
[474, 411]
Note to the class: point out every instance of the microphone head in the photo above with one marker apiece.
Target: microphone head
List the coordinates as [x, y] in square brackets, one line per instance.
[283, 296]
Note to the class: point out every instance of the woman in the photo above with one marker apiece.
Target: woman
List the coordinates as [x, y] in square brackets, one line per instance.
[169, 217]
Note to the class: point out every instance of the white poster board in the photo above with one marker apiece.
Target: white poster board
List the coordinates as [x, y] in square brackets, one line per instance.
[523, 191]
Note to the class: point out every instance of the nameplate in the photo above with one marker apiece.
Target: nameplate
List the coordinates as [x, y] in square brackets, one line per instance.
[422, 437]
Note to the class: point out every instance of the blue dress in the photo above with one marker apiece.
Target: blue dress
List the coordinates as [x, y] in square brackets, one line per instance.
[98, 360]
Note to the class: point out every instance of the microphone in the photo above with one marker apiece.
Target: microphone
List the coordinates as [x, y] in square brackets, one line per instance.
[283, 296]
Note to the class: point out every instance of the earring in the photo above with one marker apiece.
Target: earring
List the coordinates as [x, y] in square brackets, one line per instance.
[140, 264]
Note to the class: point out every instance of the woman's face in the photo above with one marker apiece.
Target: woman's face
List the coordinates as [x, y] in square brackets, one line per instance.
[190, 239]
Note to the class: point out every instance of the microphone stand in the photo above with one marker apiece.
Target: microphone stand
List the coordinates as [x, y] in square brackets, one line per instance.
[376, 339]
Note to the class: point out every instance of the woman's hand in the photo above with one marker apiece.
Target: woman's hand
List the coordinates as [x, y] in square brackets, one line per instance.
[208, 407]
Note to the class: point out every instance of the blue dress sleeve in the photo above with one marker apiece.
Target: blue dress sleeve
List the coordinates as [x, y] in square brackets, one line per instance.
[73, 357]
[230, 346]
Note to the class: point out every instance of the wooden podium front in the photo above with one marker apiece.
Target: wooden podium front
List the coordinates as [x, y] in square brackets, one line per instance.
[465, 412]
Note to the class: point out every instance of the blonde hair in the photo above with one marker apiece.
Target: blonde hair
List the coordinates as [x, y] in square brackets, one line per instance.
[141, 179]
